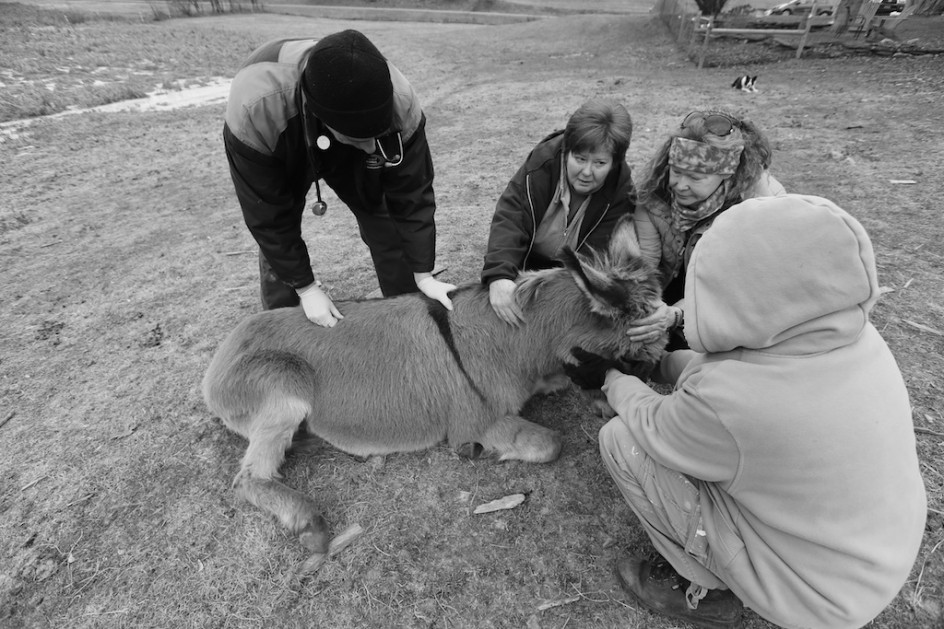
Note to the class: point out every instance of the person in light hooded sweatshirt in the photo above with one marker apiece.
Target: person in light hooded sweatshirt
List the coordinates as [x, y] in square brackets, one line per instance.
[781, 472]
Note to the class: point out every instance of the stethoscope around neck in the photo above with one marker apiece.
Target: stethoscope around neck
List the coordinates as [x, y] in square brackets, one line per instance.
[323, 142]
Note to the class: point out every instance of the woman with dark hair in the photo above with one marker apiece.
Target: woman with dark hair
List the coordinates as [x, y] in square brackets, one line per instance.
[715, 160]
[571, 190]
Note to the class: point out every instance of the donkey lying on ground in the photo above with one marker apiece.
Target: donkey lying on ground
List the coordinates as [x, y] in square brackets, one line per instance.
[403, 373]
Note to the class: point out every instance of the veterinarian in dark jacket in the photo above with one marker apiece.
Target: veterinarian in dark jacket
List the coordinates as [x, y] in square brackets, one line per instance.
[333, 109]
[571, 190]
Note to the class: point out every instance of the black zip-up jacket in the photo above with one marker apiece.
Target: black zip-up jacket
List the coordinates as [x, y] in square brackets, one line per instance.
[274, 157]
[523, 204]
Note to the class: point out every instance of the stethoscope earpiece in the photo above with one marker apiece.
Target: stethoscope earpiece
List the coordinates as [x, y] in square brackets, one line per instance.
[395, 159]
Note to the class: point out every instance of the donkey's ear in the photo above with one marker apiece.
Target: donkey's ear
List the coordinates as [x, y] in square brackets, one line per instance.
[605, 294]
[624, 245]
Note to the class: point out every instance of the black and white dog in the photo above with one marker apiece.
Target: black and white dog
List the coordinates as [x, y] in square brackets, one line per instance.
[745, 83]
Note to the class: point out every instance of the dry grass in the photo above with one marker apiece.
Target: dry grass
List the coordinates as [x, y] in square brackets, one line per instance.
[124, 262]
[57, 60]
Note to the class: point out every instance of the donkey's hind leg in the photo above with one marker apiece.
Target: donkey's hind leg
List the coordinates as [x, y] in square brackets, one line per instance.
[270, 435]
[513, 437]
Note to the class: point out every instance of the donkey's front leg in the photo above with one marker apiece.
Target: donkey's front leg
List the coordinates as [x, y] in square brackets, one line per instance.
[513, 437]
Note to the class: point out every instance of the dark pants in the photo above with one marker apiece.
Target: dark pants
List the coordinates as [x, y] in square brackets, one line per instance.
[380, 235]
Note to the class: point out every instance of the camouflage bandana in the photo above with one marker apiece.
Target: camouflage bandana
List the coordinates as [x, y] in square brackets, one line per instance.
[704, 158]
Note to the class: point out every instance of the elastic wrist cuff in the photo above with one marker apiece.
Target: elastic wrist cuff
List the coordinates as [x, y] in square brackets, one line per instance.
[305, 289]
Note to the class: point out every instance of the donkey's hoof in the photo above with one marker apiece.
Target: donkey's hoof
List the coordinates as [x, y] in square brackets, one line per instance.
[314, 536]
[552, 449]
[515, 438]
[470, 450]
[543, 447]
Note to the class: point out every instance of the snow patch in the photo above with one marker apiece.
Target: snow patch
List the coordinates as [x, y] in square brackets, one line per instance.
[213, 92]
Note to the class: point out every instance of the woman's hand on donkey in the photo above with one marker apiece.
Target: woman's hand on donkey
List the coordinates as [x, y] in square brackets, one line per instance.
[501, 294]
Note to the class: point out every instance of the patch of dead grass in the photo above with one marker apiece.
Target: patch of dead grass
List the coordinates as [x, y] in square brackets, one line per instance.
[125, 262]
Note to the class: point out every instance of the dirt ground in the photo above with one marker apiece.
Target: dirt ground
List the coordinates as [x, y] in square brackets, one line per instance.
[125, 262]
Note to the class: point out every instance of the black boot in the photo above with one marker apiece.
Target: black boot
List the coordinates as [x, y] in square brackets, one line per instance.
[659, 588]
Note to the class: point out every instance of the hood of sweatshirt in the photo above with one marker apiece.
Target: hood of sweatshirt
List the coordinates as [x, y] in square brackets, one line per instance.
[792, 274]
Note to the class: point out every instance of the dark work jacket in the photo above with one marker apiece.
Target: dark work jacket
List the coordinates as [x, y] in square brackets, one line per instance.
[523, 204]
[273, 163]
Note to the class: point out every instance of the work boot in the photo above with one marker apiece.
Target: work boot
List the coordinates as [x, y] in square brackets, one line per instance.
[659, 588]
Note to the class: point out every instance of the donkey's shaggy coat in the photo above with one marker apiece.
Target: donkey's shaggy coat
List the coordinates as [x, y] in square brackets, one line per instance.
[403, 373]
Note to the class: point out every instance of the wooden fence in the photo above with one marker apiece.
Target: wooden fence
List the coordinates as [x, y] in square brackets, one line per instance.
[685, 21]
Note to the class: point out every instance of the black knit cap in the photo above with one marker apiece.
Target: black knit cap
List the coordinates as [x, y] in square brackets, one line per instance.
[348, 85]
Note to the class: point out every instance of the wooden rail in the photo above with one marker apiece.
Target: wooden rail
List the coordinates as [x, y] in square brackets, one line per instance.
[706, 25]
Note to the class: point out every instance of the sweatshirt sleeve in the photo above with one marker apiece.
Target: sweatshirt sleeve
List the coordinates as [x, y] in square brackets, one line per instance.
[680, 431]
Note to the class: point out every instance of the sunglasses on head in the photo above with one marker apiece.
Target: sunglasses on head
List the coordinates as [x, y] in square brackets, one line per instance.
[716, 123]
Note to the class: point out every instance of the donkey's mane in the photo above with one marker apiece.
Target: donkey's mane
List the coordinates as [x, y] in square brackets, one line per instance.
[622, 254]
[530, 281]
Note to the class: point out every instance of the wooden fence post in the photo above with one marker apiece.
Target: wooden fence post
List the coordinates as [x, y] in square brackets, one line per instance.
[704, 47]
[696, 24]
[683, 26]
[806, 30]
